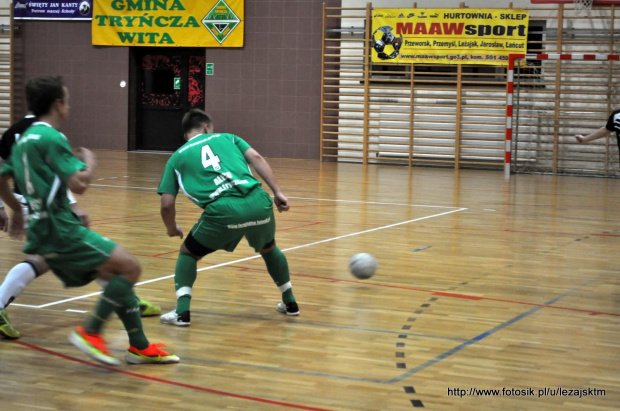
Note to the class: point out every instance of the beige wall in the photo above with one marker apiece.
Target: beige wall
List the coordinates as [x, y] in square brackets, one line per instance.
[268, 92]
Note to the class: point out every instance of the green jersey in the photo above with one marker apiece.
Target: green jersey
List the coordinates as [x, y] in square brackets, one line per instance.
[40, 163]
[209, 167]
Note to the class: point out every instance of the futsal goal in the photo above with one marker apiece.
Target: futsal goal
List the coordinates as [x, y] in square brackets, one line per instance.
[552, 97]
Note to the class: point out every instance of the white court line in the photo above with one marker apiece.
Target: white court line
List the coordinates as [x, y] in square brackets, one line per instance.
[68, 299]
[113, 186]
[258, 255]
[369, 202]
[300, 198]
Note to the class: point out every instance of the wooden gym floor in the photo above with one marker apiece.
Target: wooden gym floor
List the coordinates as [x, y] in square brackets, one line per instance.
[483, 284]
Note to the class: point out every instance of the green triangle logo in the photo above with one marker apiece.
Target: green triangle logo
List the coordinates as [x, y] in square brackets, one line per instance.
[221, 21]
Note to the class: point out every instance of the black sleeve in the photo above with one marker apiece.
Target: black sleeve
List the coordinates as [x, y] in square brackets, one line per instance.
[9, 136]
[610, 122]
[6, 143]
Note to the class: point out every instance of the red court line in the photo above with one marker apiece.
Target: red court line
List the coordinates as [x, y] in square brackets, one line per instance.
[505, 230]
[434, 292]
[160, 380]
[461, 296]
[301, 226]
[159, 255]
[469, 297]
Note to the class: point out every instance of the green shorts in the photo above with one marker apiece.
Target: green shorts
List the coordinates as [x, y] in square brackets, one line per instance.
[76, 264]
[226, 221]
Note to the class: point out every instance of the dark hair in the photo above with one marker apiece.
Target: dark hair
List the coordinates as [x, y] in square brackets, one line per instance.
[195, 119]
[42, 92]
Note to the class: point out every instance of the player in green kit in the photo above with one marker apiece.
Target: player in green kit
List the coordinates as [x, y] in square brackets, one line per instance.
[43, 166]
[22, 274]
[212, 170]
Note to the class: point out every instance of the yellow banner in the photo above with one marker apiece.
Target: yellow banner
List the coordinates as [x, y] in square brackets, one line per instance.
[168, 23]
[448, 36]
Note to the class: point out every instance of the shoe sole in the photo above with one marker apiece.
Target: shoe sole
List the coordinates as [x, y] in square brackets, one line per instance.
[132, 359]
[177, 323]
[76, 340]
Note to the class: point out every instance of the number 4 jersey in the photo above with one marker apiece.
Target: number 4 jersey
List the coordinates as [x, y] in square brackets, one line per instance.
[209, 167]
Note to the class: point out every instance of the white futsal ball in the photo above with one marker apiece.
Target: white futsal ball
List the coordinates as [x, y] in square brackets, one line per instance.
[363, 265]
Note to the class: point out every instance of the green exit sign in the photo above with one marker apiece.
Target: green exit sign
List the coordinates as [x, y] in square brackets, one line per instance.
[177, 83]
[209, 69]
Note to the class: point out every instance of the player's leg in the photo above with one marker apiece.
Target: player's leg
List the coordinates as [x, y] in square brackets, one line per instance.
[277, 266]
[262, 238]
[16, 280]
[121, 270]
[185, 274]
[117, 296]
[147, 309]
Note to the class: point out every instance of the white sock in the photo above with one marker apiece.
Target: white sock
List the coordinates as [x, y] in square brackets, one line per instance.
[15, 282]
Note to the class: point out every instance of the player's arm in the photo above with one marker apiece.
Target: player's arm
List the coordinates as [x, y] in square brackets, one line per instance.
[168, 215]
[600, 133]
[16, 227]
[4, 219]
[264, 170]
[79, 181]
[6, 142]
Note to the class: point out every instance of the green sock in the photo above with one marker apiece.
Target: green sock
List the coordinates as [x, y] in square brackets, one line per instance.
[108, 302]
[277, 266]
[118, 296]
[130, 315]
[184, 279]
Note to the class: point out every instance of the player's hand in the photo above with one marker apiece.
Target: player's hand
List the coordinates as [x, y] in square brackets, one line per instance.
[87, 156]
[281, 202]
[580, 139]
[176, 232]
[4, 220]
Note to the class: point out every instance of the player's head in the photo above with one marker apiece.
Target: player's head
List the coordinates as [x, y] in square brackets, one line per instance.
[195, 122]
[43, 94]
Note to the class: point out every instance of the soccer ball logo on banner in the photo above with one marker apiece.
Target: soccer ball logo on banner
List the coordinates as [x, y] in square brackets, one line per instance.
[386, 42]
[84, 8]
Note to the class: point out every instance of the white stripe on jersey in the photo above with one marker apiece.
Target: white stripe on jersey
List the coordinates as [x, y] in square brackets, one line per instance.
[180, 181]
[54, 190]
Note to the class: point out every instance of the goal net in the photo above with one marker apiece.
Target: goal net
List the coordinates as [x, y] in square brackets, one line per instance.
[550, 99]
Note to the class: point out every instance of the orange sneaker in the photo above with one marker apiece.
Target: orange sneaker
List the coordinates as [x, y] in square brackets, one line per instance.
[150, 355]
[93, 345]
